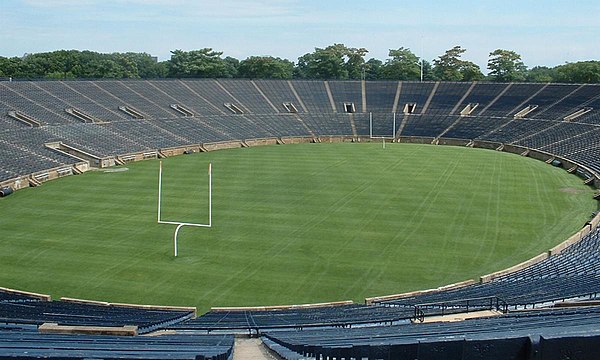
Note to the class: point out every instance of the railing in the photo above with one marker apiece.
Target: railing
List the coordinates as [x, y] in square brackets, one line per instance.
[459, 306]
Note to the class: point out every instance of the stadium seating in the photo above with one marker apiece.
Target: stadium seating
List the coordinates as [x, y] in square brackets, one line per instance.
[414, 93]
[26, 343]
[228, 110]
[319, 106]
[314, 96]
[12, 296]
[249, 95]
[279, 93]
[447, 96]
[427, 126]
[32, 100]
[484, 94]
[510, 336]
[510, 100]
[85, 314]
[380, 96]
[128, 94]
[570, 274]
[339, 315]
[472, 127]
[578, 96]
[346, 92]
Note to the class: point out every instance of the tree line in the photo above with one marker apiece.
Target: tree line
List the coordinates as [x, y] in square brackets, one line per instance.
[336, 61]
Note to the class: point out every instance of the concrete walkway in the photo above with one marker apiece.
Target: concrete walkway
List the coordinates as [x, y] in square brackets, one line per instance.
[461, 316]
[251, 349]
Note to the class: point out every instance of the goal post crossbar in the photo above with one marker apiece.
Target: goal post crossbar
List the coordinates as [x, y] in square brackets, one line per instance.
[181, 224]
[184, 223]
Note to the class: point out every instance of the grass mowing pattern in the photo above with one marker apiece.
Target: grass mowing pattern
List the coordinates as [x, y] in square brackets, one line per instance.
[292, 224]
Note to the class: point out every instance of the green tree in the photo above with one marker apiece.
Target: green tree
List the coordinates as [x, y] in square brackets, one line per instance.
[583, 72]
[10, 67]
[541, 74]
[67, 64]
[402, 64]
[447, 66]
[59, 75]
[160, 70]
[333, 62]
[36, 66]
[90, 65]
[373, 69]
[355, 62]
[450, 67]
[506, 66]
[325, 63]
[203, 63]
[127, 66]
[266, 67]
[147, 66]
[471, 72]
[428, 74]
[231, 67]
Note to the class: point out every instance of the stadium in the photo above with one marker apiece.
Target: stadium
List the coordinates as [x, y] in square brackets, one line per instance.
[324, 192]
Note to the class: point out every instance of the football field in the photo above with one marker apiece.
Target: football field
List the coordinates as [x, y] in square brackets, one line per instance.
[291, 224]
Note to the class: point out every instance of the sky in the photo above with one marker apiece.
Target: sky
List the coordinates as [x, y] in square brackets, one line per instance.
[543, 32]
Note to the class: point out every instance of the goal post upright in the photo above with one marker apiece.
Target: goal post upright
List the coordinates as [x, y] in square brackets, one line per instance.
[209, 194]
[159, 188]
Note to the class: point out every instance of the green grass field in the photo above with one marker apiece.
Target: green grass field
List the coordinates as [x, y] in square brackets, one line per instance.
[291, 224]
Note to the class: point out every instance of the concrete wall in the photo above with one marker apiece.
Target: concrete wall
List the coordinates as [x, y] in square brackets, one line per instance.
[133, 157]
[26, 181]
[297, 140]
[222, 145]
[415, 139]
[261, 142]
[336, 139]
[453, 142]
